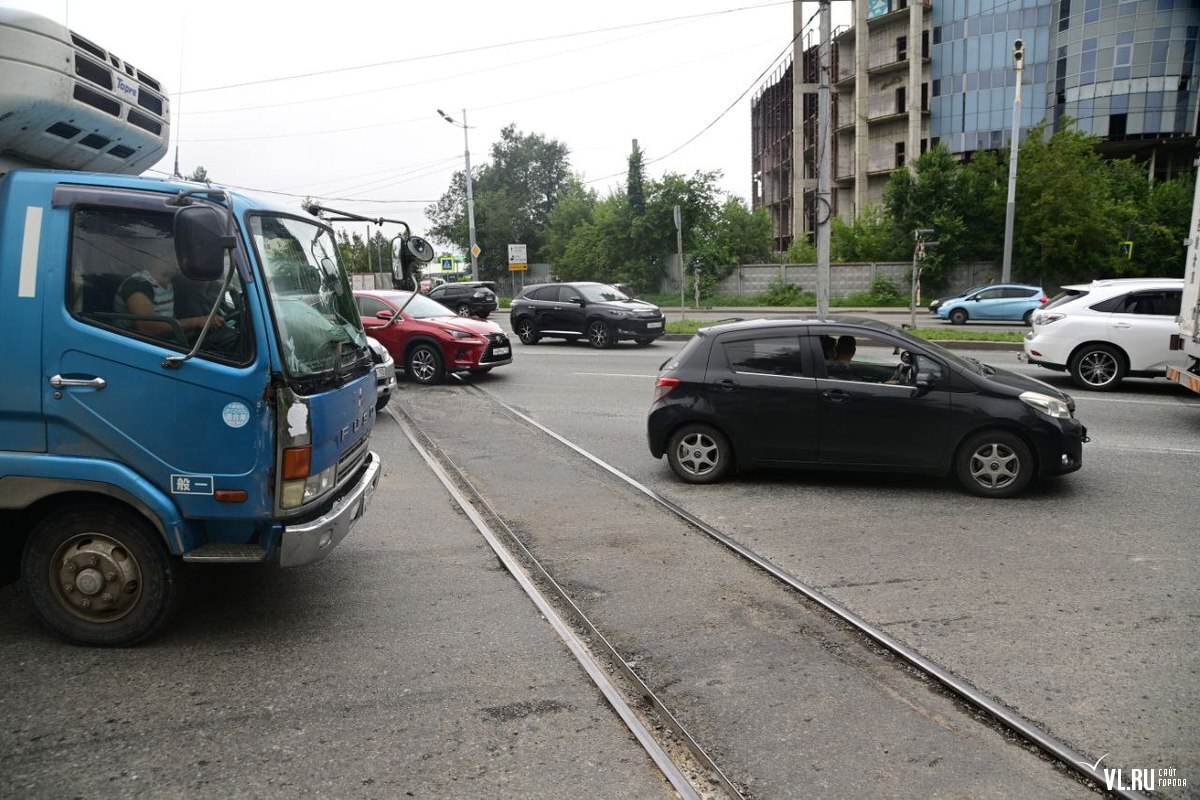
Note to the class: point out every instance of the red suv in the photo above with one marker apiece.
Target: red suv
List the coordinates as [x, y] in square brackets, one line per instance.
[427, 339]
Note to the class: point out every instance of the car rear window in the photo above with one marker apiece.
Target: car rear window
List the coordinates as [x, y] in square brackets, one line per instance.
[1064, 297]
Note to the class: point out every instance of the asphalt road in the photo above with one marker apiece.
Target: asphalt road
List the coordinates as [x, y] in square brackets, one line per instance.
[1076, 604]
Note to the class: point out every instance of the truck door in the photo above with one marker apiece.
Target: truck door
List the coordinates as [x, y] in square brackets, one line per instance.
[190, 429]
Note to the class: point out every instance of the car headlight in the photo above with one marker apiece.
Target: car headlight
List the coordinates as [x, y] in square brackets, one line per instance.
[618, 314]
[1050, 406]
[461, 334]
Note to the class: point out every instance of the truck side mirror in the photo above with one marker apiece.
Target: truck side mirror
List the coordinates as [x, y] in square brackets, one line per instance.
[201, 240]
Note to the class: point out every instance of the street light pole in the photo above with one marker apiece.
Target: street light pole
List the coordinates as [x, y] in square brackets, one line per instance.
[470, 195]
[1013, 146]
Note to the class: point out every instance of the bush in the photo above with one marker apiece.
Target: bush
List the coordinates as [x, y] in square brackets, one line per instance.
[883, 292]
[781, 293]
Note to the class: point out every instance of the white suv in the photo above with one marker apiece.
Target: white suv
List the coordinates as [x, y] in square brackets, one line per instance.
[1108, 330]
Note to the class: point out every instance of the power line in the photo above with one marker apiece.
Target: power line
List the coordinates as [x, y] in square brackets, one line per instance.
[484, 48]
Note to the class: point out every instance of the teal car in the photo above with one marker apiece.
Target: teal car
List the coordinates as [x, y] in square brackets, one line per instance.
[1001, 302]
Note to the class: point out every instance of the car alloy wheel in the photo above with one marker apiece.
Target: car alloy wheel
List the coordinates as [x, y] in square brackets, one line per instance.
[995, 464]
[526, 331]
[599, 335]
[1097, 367]
[699, 454]
[425, 365]
[463, 310]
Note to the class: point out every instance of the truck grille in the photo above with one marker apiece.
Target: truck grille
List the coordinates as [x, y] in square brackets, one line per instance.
[351, 460]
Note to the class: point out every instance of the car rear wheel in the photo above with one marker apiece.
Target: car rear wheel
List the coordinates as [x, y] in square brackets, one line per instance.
[100, 575]
[526, 331]
[599, 335]
[645, 340]
[958, 316]
[424, 365]
[1097, 366]
[995, 464]
[463, 310]
[1028, 318]
[699, 454]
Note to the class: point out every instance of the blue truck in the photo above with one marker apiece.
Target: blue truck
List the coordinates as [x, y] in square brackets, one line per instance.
[185, 376]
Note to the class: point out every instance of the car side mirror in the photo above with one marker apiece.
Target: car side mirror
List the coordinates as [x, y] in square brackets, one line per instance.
[386, 313]
[579, 301]
[924, 383]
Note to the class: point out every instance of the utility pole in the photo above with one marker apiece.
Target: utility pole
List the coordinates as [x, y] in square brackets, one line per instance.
[1010, 211]
[824, 208]
[470, 195]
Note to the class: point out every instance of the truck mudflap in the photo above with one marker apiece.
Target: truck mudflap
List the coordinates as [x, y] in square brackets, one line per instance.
[311, 541]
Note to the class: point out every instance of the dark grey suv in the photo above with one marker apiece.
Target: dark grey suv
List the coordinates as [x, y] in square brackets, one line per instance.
[598, 311]
[467, 298]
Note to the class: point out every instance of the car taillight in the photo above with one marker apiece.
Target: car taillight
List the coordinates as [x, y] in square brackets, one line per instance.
[663, 387]
[1044, 300]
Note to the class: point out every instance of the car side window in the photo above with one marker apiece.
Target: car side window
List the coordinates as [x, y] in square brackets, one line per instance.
[865, 358]
[777, 355]
[990, 294]
[545, 294]
[568, 294]
[125, 277]
[369, 306]
[1153, 303]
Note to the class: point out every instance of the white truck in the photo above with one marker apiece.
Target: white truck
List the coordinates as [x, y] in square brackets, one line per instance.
[1188, 338]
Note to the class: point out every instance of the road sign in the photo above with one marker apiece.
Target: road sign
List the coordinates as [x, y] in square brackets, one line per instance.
[518, 259]
[475, 251]
[447, 265]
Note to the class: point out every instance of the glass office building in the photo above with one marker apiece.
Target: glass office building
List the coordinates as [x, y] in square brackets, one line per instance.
[1124, 70]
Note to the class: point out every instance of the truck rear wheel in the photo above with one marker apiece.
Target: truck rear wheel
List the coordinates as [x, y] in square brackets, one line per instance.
[99, 575]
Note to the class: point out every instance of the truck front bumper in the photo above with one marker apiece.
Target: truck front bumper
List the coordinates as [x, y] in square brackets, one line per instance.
[311, 541]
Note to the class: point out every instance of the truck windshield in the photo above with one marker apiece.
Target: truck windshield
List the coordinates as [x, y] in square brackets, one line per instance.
[319, 329]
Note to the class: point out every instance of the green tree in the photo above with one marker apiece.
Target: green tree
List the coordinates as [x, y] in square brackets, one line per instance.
[200, 175]
[1068, 223]
[514, 195]
[870, 237]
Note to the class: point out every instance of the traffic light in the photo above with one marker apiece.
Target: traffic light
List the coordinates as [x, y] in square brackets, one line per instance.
[1018, 52]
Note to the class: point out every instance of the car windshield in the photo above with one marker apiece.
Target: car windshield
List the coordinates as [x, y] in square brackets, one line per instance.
[420, 307]
[601, 293]
[320, 333]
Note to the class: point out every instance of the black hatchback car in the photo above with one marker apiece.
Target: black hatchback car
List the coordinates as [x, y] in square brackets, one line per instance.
[854, 394]
[599, 311]
[467, 298]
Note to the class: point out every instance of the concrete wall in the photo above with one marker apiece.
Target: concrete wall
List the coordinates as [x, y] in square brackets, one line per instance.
[844, 279]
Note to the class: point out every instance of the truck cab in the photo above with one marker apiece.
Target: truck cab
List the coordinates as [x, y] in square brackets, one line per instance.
[186, 375]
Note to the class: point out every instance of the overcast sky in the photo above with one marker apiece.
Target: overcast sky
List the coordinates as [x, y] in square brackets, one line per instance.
[338, 100]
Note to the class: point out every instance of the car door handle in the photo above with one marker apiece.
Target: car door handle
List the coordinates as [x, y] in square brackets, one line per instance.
[726, 385]
[59, 382]
[1122, 325]
[836, 395]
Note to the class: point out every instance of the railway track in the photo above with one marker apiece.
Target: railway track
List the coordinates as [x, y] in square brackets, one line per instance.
[655, 711]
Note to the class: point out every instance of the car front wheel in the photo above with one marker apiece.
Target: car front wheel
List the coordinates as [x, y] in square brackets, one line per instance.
[526, 331]
[958, 316]
[1097, 366]
[599, 335]
[700, 454]
[424, 365]
[995, 464]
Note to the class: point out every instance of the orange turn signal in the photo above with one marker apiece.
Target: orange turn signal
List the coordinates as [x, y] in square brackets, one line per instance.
[296, 462]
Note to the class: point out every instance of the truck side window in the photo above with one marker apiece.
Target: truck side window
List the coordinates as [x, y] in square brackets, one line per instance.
[124, 277]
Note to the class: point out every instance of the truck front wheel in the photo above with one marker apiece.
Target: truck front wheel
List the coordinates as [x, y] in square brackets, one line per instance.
[99, 575]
